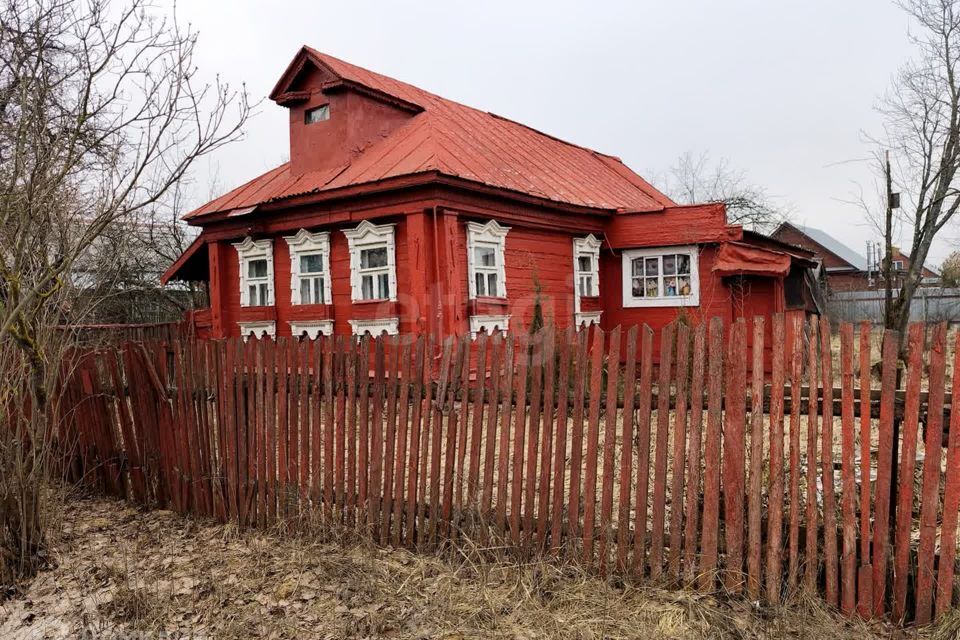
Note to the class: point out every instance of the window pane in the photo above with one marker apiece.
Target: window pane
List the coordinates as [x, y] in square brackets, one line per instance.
[637, 266]
[317, 114]
[585, 264]
[492, 284]
[683, 264]
[481, 284]
[384, 285]
[669, 265]
[686, 288]
[263, 294]
[257, 268]
[484, 257]
[652, 287]
[305, 297]
[252, 295]
[653, 266]
[312, 263]
[637, 288]
[366, 288]
[318, 295]
[587, 285]
[372, 258]
[670, 286]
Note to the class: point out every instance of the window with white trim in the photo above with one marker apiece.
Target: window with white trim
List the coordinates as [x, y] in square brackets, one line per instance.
[256, 272]
[586, 276]
[486, 245]
[373, 269]
[309, 267]
[586, 266]
[662, 277]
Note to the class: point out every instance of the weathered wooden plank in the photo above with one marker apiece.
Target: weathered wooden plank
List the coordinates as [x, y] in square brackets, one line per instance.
[930, 490]
[626, 451]
[363, 436]
[951, 501]
[711, 472]
[503, 470]
[908, 457]
[533, 437]
[881, 503]
[576, 441]
[593, 438]
[775, 491]
[416, 429]
[519, 433]
[660, 459]
[609, 446]
[400, 363]
[568, 355]
[795, 340]
[546, 431]
[694, 453]
[329, 428]
[755, 489]
[476, 425]
[826, 465]
[375, 482]
[679, 458]
[303, 441]
[734, 454]
[403, 428]
[491, 382]
[848, 486]
[461, 354]
[865, 430]
[436, 455]
[811, 556]
[340, 361]
[351, 362]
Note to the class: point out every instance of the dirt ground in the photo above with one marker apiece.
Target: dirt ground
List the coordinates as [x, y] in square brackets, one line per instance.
[119, 573]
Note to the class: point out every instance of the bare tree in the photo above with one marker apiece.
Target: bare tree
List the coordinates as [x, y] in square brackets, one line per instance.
[101, 115]
[696, 178]
[919, 152]
[950, 270]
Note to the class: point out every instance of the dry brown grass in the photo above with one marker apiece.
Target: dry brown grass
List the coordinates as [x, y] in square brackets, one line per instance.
[120, 570]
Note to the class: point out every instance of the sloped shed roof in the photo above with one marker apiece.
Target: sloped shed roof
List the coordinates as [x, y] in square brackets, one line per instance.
[458, 141]
[833, 245]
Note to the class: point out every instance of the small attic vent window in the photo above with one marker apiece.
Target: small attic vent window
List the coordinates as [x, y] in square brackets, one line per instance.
[317, 114]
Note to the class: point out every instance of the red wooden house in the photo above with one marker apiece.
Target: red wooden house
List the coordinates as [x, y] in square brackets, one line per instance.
[402, 211]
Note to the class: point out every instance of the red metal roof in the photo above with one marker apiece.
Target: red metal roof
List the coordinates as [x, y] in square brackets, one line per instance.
[459, 141]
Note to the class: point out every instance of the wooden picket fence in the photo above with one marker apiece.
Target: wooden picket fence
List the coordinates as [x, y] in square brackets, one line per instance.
[694, 470]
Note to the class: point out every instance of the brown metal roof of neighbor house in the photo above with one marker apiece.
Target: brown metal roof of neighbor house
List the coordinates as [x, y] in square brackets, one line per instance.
[455, 140]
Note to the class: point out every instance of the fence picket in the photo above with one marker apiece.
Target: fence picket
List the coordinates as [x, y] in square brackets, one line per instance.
[826, 465]
[881, 504]
[609, 446]
[775, 492]
[754, 544]
[660, 458]
[503, 470]
[951, 499]
[711, 472]
[795, 341]
[576, 442]
[811, 557]
[694, 453]
[848, 488]
[546, 431]
[678, 458]
[593, 438]
[930, 490]
[908, 458]
[626, 453]
[568, 355]
[865, 572]
[533, 436]
[519, 432]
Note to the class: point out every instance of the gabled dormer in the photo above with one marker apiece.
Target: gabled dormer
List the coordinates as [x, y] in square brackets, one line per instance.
[333, 117]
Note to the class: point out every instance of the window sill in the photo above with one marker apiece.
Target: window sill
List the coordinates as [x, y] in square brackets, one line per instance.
[689, 301]
[487, 306]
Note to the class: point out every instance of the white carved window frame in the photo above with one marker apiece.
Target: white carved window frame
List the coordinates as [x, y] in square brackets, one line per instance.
[588, 246]
[248, 250]
[376, 326]
[372, 236]
[258, 328]
[490, 323]
[691, 300]
[313, 328]
[306, 243]
[493, 235]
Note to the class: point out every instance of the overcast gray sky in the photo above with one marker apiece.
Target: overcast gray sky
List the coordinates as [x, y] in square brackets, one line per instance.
[783, 90]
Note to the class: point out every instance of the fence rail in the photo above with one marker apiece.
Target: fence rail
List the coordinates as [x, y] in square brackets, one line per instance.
[697, 472]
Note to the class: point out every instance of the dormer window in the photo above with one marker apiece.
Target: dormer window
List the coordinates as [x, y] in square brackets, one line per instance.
[317, 114]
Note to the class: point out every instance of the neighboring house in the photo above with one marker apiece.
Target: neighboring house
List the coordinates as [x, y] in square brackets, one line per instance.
[844, 268]
[401, 211]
